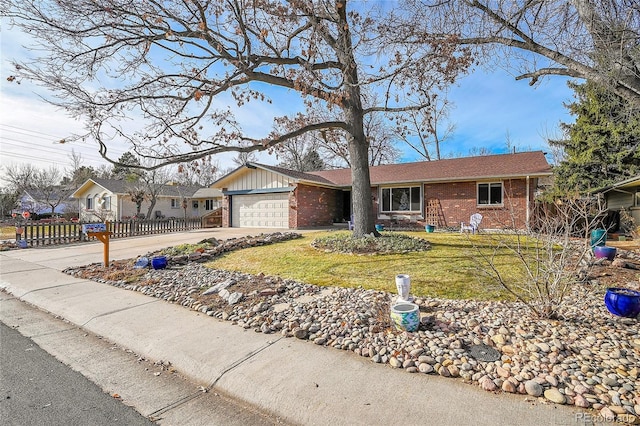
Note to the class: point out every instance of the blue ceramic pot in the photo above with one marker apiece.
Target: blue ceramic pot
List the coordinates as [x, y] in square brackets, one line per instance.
[623, 302]
[429, 228]
[379, 228]
[602, 252]
[598, 237]
[159, 262]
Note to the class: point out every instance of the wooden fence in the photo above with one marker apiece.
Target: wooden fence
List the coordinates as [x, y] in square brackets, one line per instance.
[42, 234]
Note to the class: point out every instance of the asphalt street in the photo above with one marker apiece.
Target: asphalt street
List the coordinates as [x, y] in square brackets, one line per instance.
[37, 389]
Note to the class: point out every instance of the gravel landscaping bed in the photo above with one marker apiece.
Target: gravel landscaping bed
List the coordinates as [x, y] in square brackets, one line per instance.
[587, 358]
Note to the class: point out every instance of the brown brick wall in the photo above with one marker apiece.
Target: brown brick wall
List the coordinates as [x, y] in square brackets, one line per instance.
[457, 202]
[226, 219]
[313, 206]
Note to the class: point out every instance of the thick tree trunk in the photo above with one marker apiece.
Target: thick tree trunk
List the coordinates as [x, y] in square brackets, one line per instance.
[362, 204]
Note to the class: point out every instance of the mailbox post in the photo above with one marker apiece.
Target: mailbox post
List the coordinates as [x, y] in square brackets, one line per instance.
[99, 230]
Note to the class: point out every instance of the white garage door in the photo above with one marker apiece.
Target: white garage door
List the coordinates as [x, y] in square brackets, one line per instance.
[260, 210]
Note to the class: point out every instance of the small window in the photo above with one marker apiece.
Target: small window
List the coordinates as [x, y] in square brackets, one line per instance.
[107, 203]
[89, 202]
[209, 205]
[174, 203]
[401, 199]
[490, 194]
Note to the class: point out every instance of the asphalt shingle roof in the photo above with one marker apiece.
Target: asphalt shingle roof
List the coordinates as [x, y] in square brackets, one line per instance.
[519, 164]
[118, 186]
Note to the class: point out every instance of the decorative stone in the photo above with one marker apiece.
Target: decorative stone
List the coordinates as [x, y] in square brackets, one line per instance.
[580, 401]
[234, 298]
[555, 396]
[507, 386]
[425, 368]
[607, 414]
[300, 333]
[487, 384]
[533, 388]
[394, 362]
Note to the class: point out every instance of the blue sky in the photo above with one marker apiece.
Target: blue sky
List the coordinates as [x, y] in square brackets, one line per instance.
[489, 106]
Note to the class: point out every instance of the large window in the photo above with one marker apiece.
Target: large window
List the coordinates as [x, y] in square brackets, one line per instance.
[490, 194]
[401, 199]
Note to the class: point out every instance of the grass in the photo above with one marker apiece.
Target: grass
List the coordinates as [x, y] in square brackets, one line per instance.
[7, 232]
[448, 270]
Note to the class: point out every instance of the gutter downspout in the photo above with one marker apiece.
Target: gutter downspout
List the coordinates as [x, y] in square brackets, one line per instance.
[528, 213]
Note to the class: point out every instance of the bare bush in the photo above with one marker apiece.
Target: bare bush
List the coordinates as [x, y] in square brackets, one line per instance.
[550, 254]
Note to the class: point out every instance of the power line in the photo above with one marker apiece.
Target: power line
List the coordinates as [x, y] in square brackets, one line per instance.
[29, 130]
[48, 149]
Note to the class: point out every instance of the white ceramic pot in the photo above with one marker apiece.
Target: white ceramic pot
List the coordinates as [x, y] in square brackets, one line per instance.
[405, 316]
[403, 284]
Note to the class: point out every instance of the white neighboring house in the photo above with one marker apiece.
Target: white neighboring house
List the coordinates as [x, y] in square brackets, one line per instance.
[109, 199]
[206, 200]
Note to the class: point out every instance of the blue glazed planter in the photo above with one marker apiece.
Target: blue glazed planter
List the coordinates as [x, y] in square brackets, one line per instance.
[430, 228]
[602, 252]
[405, 316]
[159, 262]
[623, 302]
[379, 228]
[598, 237]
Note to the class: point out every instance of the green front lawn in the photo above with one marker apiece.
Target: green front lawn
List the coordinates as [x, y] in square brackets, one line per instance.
[448, 270]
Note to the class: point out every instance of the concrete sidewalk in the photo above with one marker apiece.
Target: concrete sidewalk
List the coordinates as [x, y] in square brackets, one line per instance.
[295, 380]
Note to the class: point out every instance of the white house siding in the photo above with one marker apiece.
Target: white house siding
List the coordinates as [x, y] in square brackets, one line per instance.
[260, 179]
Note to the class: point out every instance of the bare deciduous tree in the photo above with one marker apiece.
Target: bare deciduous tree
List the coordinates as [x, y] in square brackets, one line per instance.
[43, 185]
[180, 64]
[587, 39]
[425, 131]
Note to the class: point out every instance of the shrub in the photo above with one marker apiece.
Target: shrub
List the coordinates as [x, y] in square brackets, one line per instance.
[550, 258]
[387, 243]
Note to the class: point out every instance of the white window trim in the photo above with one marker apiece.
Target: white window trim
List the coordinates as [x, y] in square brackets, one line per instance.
[489, 205]
[407, 212]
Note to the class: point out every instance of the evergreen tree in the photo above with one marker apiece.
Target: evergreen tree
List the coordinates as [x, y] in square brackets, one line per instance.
[122, 171]
[603, 145]
[312, 161]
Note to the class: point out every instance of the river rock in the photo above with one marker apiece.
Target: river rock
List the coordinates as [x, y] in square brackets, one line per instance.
[533, 388]
[555, 396]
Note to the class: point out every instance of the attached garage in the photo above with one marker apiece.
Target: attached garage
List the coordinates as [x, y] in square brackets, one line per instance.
[260, 210]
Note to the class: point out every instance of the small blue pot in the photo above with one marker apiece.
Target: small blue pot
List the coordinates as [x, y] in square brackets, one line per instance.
[602, 252]
[379, 228]
[430, 228]
[159, 262]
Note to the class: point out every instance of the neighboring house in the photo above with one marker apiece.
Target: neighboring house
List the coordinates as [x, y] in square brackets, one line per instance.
[109, 199]
[39, 202]
[442, 193]
[206, 200]
[624, 194]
